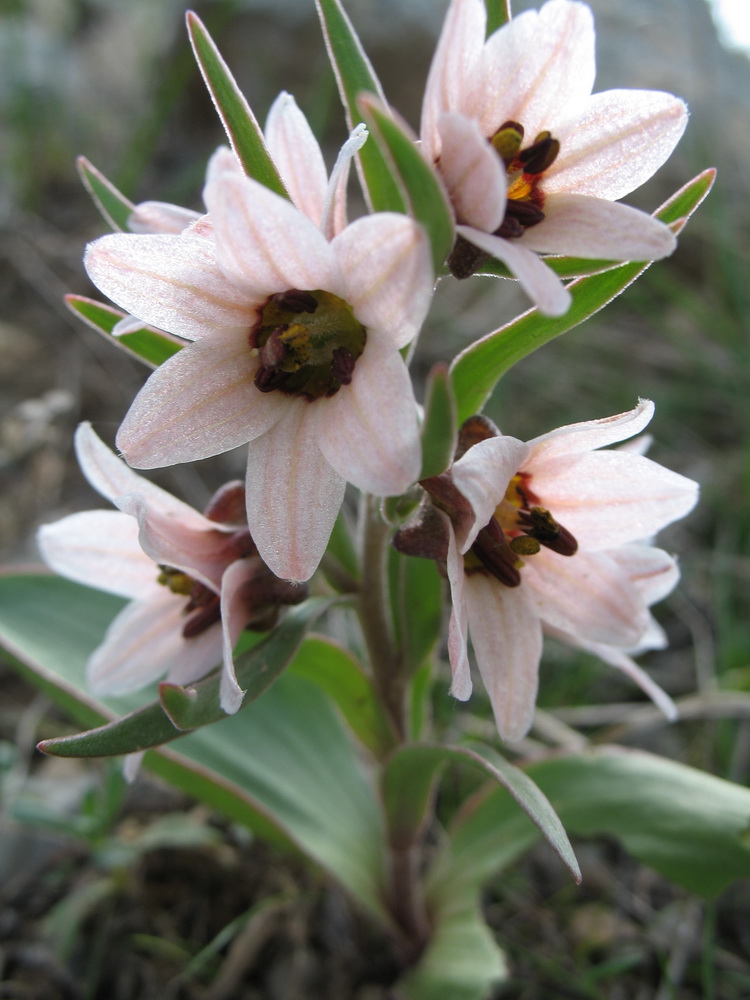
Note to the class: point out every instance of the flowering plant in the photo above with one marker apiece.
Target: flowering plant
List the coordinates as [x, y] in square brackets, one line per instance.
[275, 325]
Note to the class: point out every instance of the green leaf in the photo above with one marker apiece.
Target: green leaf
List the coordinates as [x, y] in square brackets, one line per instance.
[355, 76]
[461, 961]
[115, 208]
[477, 370]
[181, 709]
[498, 14]
[417, 602]
[564, 267]
[335, 671]
[149, 345]
[408, 781]
[285, 766]
[439, 428]
[423, 194]
[692, 827]
[238, 120]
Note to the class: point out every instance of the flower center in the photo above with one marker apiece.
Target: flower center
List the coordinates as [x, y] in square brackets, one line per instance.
[525, 168]
[519, 527]
[203, 607]
[308, 343]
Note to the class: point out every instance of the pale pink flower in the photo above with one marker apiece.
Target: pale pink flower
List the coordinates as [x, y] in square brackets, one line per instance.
[547, 535]
[295, 321]
[194, 582]
[532, 160]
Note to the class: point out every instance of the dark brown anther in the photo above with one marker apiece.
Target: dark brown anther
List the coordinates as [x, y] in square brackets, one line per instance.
[273, 352]
[342, 366]
[495, 554]
[538, 523]
[472, 431]
[295, 301]
[465, 259]
[239, 545]
[200, 596]
[227, 505]
[205, 616]
[540, 156]
[268, 379]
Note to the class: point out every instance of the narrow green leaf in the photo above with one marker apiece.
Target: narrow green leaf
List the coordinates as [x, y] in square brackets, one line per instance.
[238, 120]
[149, 345]
[355, 76]
[564, 267]
[417, 602]
[439, 428]
[181, 709]
[498, 14]
[113, 205]
[424, 195]
[692, 827]
[408, 780]
[335, 671]
[197, 705]
[477, 370]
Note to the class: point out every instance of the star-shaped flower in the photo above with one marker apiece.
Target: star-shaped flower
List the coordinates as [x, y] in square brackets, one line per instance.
[532, 160]
[547, 535]
[195, 581]
[295, 321]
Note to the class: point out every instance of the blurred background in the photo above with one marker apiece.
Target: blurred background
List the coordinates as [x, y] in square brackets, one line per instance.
[115, 80]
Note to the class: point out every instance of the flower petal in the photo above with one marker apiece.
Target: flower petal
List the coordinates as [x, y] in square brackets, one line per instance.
[171, 282]
[474, 174]
[369, 431]
[588, 434]
[160, 217]
[579, 225]
[201, 402]
[537, 70]
[333, 219]
[387, 273]
[297, 154]
[293, 494]
[540, 283]
[608, 498]
[458, 629]
[264, 244]
[586, 595]
[233, 621]
[145, 641]
[617, 143]
[507, 639]
[483, 474]
[653, 571]
[457, 51]
[100, 549]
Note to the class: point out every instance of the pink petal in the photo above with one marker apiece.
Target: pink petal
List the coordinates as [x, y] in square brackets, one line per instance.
[233, 621]
[333, 218]
[537, 70]
[607, 498]
[368, 431]
[297, 154]
[201, 552]
[458, 629]
[654, 572]
[541, 284]
[145, 641]
[265, 244]
[293, 494]
[200, 402]
[507, 639]
[582, 226]
[457, 51]
[617, 143]
[586, 595]
[111, 477]
[160, 217]
[387, 274]
[483, 475]
[171, 282]
[100, 549]
[588, 434]
[473, 173]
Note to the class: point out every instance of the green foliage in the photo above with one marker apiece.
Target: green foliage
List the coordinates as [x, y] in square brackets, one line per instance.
[439, 427]
[113, 205]
[498, 14]
[147, 344]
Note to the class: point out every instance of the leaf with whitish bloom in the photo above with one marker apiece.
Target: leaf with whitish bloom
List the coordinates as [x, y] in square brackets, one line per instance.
[476, 370]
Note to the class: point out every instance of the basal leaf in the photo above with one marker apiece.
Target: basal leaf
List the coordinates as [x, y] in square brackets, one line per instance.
[241, 126]
[424, 195]
[477, 370]
[149, 345]
[439, 427]
[355, 76]
[113, 205]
